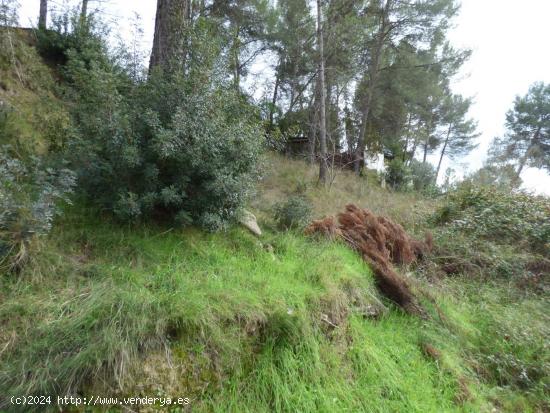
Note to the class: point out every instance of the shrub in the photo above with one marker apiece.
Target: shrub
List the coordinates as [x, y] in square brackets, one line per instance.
[417, 175]
[29, 198]
[180, 148]
[69, 33]
[294, 213]
[398, 175]
[423, 175]
[514, 218]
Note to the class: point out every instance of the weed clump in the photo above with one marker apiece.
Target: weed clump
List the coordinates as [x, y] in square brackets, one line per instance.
[295, 213]
[381, 242]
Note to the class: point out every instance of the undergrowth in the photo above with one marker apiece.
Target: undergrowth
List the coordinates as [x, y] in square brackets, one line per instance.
[499, 215]
[282, 323]
[285, 324]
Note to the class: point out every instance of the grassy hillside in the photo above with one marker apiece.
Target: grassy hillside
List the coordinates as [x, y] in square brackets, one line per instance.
[287, 176]
[244, 323]
[284, 323]
[36, 120]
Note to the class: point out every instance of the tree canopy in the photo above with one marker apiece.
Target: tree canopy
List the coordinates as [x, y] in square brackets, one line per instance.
[527, 138]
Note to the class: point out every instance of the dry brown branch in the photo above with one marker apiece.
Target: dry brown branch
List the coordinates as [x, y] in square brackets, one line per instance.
[381, 243]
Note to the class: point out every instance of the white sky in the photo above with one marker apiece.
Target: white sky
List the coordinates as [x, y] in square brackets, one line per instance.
[509, 39]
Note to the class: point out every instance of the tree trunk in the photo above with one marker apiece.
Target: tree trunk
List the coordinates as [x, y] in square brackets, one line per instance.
[521, 165]
[84, 11]
[314, 123]
[322, 100]
[169, 50]
[350, 135]
[371, 84]
[312, 139]
[43, 16]
[407, 137]
[427, 141]
[274, 100]
[525, 156]
[443, 153]
[522, 162]
[413, 151]
[425, 149]
[328, 109]
[361, 144]
[236, 61]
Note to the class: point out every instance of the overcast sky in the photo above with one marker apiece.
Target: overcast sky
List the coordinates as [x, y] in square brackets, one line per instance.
[509, 39]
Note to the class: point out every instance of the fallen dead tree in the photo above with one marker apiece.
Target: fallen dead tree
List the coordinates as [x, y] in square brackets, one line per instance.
[382, 243]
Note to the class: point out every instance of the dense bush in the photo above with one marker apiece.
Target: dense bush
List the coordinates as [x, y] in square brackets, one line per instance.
[29, 202]
[294, 213]
[398, 175]
[69, 33]
[503, 216]
[422, 175]
[415, 175]
[176, 147]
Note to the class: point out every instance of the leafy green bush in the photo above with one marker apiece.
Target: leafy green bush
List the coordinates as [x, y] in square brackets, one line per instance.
[294, 213]
[398, 175]
[69, 33]
[29, 198]
[416, 175]
[181, 148]
[423, 175]
[514, 218]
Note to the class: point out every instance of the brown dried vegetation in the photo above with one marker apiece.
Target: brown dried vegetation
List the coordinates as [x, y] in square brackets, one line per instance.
[382, 243]
[430, 352]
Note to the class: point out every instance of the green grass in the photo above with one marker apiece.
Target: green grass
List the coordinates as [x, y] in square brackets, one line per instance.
[37, 120]
[502, 333]
[286, 176]
[100, 296]
[242, 323]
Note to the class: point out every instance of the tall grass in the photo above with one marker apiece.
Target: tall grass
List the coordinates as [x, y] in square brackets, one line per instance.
[278, 324]
[103, 296]
[285, 176]
[243, 326]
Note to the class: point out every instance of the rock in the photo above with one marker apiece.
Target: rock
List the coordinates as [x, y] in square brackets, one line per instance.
[248, 220]
[372, 311]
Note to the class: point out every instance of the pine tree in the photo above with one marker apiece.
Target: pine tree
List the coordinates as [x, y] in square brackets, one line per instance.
[460, 131]
[245, 26]
[171, 19]
[417, 22]
[43, 16]
[322, 98]
[527, 139]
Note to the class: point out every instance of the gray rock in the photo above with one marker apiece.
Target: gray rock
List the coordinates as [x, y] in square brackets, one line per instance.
[248, 220]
